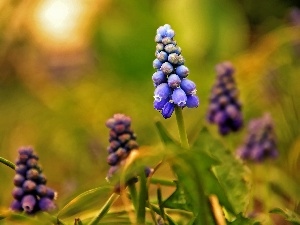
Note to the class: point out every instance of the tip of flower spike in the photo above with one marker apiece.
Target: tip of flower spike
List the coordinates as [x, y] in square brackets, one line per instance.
[224, 68]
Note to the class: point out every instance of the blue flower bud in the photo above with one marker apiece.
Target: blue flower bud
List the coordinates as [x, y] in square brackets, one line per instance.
[170, 33]
[18, 192]
[18, 179]
[158, 38]
[166, 68]
[220, 118]
[188, 86]
[162, 56]
[160, 47]
[162, 91]
[167, 40]
[180, 60]
[182, 71]
[29, 185]
[232, 111]
[41, 190]
[28, 203]
[158, 105]
[179, 97]
[192, 101]
[157, 64]
[112, 159]
[173, 58]
[162, 30]
[174, 81]
[46, 204]
[168, 110]
[177, 50]
[159, 77]
[16, 205]
[170, 48]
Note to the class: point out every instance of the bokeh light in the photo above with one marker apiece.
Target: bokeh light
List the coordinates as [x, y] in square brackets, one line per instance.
[60, 23]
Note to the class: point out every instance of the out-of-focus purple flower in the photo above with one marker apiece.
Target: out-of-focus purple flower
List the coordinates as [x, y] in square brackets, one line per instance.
[30, 185]
[260, 142]
[224, 108]
[122, 141]
[172, 87]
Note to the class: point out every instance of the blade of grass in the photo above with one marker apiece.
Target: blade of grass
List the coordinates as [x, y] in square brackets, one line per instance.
[104, 209]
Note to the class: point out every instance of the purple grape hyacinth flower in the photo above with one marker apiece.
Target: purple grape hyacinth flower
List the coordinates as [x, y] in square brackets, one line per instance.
[172, 87]
[122, 142]
[260, 142]
[30, 192]
[224, 108]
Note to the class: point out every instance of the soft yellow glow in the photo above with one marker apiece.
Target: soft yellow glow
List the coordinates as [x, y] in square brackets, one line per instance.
[60, 24]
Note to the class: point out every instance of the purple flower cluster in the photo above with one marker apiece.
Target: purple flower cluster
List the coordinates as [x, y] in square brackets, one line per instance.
[122, 141]
[225, 108]
[30, 192]
[172, 88]
[260, 142]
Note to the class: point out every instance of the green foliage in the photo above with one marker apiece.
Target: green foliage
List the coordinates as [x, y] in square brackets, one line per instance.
[289, 215]
[85, 201]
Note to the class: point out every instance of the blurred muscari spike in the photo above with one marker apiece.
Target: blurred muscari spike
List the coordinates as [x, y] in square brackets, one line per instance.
[172, 88]
[122, 141]
[30, 193]
[260, 142]
[225, 108]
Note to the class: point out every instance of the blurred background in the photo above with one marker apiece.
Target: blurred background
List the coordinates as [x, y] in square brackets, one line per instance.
[67, 66]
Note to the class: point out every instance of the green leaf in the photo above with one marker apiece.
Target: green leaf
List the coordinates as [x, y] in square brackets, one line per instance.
[164, 135]
[233, 188]
[86, 200]
[282, 184]
[177, 200]
[23, 219]
[289, 215]
[240, 220]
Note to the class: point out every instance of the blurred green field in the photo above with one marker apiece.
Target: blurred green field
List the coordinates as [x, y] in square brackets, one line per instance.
[56, 92]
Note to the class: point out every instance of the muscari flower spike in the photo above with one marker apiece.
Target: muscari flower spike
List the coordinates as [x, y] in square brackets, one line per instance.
[172, 88]
[260, 142]
[30, 193]
[225, 108]
[122, 141]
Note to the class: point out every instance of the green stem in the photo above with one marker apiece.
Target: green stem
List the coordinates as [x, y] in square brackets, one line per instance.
[181, 128]
[104, 209]
[8, 163]
[143, 197]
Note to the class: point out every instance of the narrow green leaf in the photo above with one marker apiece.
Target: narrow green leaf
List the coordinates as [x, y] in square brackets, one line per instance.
[289, 215]
[157, 210]
[164, 135]
[104, 209]
[160, 202]
[163, 182]
[86, 200]
[133, 194]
